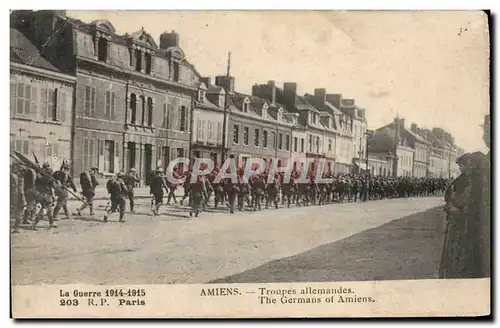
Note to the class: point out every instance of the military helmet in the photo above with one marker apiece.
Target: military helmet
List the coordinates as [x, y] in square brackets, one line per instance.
[95, 168]
[119, 174]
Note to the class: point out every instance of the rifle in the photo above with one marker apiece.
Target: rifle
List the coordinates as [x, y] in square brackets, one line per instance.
[26, 162]
[36, 159]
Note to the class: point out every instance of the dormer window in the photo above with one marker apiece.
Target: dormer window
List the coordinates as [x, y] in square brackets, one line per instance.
[102, 49]
[246, 104]
[201, 96]
[315, 118]
[138, 60]
[280, 114]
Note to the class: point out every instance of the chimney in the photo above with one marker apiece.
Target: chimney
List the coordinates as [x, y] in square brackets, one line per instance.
[320, 98]
[168, 40]
[334, 99]
[226, 82]
[413, 128]
[207, 80]
[289, 93]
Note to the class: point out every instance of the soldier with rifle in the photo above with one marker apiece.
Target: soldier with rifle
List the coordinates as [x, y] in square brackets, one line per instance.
[17, 199]
[88, 182]
[156, 189]
[45, 185]
[118, 192]
[64, 178]
[131, 179]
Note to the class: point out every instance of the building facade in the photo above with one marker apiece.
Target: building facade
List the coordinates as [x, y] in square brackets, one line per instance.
[41, 102]
[208, 123]
[380, 164]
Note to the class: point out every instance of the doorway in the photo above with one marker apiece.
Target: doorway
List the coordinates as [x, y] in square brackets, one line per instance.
[131, 146]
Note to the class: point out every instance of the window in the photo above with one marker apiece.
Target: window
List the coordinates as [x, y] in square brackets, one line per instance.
[273, 139]
[21, 145]
[287, 142]
[201, 96]
[329, 144]
[280, 141]
[51, 110]
[23, 99]
[210, 129]
[109, 156]
[315, 118]
[264, 139]
[138, 60]
[110, 105]
[201, 130]
[302, 145]
[102, 49]
[149, 61]
[256, 137]
[295, 144]
[310, 143]
[133, 109]
[219, 132]
[89, 151]
[165, 116]
[176, 71]
[317, 144]
[236, 136]
[51, 149]
[150, 111]
[183, 124]
[245, 136]
[245, 106]
[90, 100]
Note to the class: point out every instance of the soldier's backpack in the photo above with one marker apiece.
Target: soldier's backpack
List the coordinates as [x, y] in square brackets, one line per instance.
[113, 187]
[85, 180]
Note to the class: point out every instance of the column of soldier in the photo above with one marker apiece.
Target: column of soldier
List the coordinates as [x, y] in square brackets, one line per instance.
[39, 193]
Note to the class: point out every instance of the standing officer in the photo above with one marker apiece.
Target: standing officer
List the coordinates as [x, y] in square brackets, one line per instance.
[88, 182]
[17, 199]
[64, 178]
[118, 192]
[130, 180]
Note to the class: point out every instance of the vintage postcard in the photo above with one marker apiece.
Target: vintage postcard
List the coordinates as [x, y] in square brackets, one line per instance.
[249, 164]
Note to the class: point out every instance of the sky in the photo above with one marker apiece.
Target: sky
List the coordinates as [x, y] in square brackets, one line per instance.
[432, 68]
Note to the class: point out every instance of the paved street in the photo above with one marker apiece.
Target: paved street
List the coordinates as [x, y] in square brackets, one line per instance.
[173, 248]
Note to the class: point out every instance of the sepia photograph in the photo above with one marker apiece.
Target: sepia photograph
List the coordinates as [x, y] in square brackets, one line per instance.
[224, 150]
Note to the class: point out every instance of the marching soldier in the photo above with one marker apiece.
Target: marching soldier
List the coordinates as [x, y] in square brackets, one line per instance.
[131, 179]
[118, 192]
[198, 195]
[156, 189]
[45, 184]
[29, 177]
[88, 182]
[64, 178]
[17, 199]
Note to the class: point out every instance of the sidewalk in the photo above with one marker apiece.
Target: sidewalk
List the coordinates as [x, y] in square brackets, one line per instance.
[140, 193]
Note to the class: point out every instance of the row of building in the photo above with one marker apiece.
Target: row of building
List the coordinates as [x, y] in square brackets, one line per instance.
[81, 91]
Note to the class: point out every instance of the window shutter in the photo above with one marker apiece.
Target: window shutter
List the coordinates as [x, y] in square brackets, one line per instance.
[26, 147]
[100, 153]
[198, 130]
[107, 105]
[31, 103]
[92, 152]
[117, 157]
[164, 117]
[63, 105]
[219, 132]
[13, 98]
[113, 100]
[93, 101]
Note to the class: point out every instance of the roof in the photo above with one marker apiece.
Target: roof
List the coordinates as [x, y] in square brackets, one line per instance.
[23, 51]
[332, 107]
[417, 137]
[214, 89]
[302, 103]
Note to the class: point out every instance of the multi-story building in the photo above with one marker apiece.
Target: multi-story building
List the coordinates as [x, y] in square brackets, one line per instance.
[41, 100]
[422, 149]
[133, 97]
[259, 128]
[208, 122]
[380, 164]
[359, 126]
[435, 164]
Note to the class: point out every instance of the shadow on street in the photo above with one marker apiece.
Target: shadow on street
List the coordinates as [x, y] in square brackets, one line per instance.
[407, 248]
